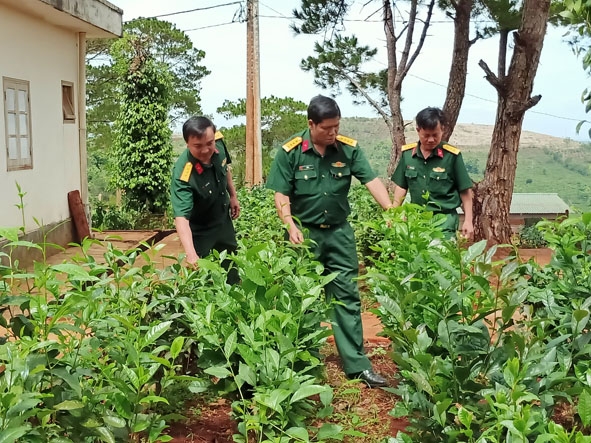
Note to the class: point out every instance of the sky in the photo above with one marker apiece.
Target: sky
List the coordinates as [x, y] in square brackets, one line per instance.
[214, 29]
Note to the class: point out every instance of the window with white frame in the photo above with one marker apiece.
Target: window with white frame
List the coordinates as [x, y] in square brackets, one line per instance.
[17, 118]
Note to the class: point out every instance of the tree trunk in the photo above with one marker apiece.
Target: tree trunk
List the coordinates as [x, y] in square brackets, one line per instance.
[397, 133]
[493, 195]
[456, 86]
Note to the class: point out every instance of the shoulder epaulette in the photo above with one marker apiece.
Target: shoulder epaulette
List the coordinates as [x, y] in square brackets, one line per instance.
[218, 135]
[451, 149]
[347, 140]
[187, 172]
[408, 146]
[289, 145]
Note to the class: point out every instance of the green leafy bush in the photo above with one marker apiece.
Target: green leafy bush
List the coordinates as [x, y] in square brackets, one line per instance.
[531, 237]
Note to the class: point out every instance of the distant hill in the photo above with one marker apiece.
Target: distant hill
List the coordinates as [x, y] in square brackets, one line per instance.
[544, 164]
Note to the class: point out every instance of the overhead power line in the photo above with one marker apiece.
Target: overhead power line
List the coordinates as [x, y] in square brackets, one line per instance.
[532, 111]
[211, 26]
[193, 10]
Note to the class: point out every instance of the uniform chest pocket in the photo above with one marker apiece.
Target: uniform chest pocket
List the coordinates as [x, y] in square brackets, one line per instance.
[411, 174]
[305, 175]
[306, 182]
[339, 173]
[207, 190]
[438, 176]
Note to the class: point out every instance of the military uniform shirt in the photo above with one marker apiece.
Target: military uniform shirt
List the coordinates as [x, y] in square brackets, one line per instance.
[200, 192]
[442, 175]
[318, 186]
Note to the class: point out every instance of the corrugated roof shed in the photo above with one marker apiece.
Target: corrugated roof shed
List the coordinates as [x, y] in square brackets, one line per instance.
[537, 203]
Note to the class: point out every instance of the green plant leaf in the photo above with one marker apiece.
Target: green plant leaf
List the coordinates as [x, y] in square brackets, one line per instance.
[69, 405]
[584, 407]
[474, 251]
[11, 435]
[465, 417]
[247, 374]
[25, 244]
[511, 372]
[155, 332]
[330, 430]
[11, 234]
[153, 399]
[176, 347]
[276, 397]
[105, 434]
[230, 345]
[114, 421]
[199, 386]
[75, 272]
[299, 434]
[218, 371]
[307, 391]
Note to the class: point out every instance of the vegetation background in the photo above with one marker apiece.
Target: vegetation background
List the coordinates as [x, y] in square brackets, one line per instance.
[546, 164]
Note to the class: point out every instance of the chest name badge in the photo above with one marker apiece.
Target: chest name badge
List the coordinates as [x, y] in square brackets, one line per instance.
[338, 165]
[409, 167]
[438, 169]
[306, 167]
[186, 172]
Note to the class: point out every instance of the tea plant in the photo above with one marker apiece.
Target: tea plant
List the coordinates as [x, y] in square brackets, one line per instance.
[261, 338]
[486, 348]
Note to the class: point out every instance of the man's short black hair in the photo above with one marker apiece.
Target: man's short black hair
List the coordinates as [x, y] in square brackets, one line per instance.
[428, 118]
[196, 126]
[322, 108]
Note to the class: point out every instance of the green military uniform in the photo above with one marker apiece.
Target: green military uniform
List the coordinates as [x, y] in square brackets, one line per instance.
[200, 193]
[318, 187]
[442, 176]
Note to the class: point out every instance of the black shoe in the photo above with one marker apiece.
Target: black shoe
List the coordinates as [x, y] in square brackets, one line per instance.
[370, 378]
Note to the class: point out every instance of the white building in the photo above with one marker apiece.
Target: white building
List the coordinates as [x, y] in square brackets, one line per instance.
[43, 109]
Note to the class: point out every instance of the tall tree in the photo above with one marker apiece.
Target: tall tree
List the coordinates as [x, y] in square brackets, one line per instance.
[493, 194]
[340, 58]
[280, 118]
[143, 141]
[164, 43]
[461, 11]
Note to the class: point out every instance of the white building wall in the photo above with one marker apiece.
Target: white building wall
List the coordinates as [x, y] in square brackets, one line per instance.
[43, 55]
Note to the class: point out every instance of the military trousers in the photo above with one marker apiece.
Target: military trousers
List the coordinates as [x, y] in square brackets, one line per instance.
[335, 248]
[220, 237]
[451, 225]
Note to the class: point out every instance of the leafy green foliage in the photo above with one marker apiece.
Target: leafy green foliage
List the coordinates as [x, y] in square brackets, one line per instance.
[531, 237]
[143, 147]
[343, 58]
[96, 350]
[485, 348]
[280, 118]
[174, 53]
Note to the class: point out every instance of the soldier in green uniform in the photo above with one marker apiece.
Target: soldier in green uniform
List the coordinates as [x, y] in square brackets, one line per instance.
[434, 173]
[311, 177]
[203, 196]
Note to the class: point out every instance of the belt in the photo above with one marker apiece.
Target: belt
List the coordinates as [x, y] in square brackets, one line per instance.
[446, 211]
[322, 225]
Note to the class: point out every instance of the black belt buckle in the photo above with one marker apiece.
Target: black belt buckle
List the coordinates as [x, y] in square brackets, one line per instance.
[323, 226]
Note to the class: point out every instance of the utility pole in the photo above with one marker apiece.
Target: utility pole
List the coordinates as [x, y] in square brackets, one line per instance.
[253, 161]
